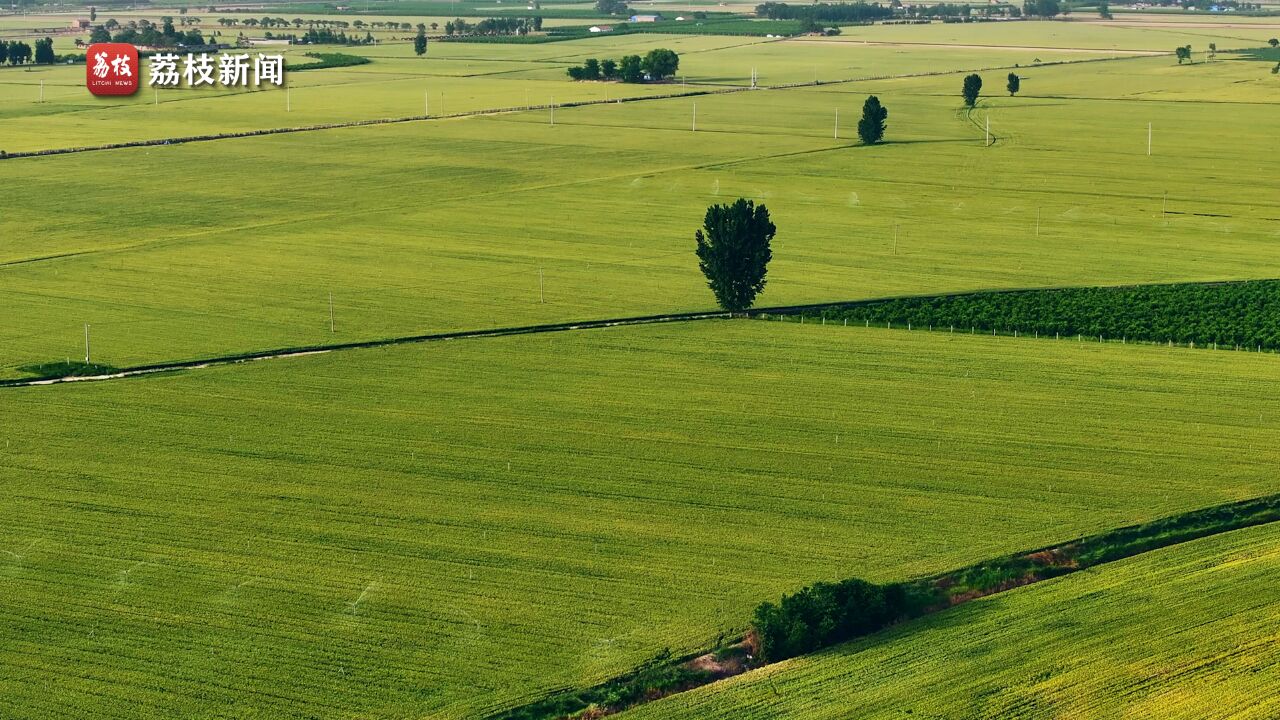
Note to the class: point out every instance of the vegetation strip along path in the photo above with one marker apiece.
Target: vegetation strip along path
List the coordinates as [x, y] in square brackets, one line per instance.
[667, 676]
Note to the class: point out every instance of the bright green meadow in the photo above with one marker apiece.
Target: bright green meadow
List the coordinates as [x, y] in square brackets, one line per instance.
[446, 529]
[451, 529]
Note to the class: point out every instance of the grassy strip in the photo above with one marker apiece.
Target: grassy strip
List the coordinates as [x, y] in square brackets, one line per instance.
[666, 675]
[1242, 314]
[330, 60]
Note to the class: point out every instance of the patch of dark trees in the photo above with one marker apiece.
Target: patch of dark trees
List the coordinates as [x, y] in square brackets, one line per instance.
[824, 614]
[657, 65]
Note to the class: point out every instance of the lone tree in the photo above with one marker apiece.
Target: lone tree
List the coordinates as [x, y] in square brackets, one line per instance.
[734, 252]
[1183, 53]
[972, 86]
[420, 41]
[1015, 84]
[1273, 42]
[871, 126]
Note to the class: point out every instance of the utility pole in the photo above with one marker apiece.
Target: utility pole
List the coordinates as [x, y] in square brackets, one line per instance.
[1148, 139]
[41, 91]
[330, 311]
[695, 117]
[553, 110]
[895, 238]
[542, 298]
[836, 133]
[288, 105]
[86, 343]
[426, 103]
[988, 140]
[1037, 222]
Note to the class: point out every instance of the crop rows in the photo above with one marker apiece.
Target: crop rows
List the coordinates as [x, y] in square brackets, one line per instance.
[1239, 314]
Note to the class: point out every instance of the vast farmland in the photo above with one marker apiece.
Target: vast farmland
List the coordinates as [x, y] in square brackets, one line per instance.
[458, 528]
[529, 512]
[1206, 615]
[233, 246]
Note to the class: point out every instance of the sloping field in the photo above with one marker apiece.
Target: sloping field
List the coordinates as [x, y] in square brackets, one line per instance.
[230, 246]
[447, 529]
[1188, 632]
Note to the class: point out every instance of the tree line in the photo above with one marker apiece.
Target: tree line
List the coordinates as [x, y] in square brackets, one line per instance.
[145, 32]
[827, 12]
[16, 52]
[657, 65]
[862, 12]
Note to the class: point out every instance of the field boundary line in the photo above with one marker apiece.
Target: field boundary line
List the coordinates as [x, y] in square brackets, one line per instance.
[319, 349]
[950, 588]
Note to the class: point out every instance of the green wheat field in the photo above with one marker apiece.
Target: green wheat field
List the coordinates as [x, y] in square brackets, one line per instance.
[454, 529]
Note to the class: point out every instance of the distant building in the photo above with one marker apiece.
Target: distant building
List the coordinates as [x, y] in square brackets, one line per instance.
[600, 28]
[80, 24]
[645, 18]
[255, 42]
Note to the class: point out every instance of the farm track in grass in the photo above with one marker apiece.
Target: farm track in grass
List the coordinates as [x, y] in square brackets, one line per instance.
[533, 512]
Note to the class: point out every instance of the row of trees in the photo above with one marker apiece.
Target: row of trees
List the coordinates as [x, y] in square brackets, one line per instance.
[494, 26]
[325, 36]
[145, 32]
[657, 65]
[862, 12]
[16, 52]
[825, 12]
